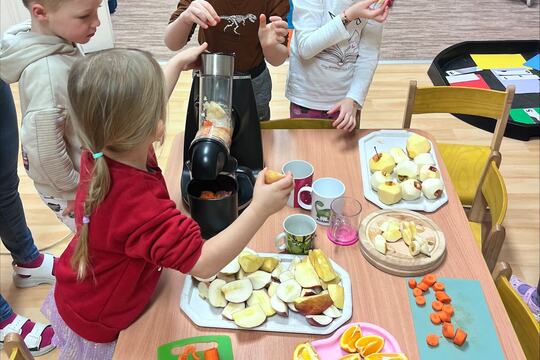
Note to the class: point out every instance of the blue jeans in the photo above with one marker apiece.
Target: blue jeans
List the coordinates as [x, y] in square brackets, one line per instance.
[14, 232]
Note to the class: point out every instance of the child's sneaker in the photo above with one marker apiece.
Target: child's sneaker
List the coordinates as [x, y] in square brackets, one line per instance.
[36, 336]
[39, 271]
[528, 293]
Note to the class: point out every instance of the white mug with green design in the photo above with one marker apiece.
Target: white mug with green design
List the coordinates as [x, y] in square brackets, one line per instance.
[323, 192]
[298, 236]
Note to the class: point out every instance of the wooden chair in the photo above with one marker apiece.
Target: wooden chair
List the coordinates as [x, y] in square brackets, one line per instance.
[525, 325]
[15, 348]
[300, 123]
[490, 236]
[466, 164]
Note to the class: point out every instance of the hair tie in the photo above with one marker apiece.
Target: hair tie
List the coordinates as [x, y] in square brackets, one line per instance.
[86, 219]
[97, 155]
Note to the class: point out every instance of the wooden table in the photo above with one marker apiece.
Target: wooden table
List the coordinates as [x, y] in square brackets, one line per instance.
[378, 297]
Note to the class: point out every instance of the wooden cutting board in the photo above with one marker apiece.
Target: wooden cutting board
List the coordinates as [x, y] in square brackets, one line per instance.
[398, 260]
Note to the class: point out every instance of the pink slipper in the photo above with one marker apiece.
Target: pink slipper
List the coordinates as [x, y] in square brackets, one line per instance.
[24, 277]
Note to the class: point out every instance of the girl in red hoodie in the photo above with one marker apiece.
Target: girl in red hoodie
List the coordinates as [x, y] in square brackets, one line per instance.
[127, 226]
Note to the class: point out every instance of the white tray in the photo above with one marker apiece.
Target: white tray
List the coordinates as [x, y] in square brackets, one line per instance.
[384, 140]
[203, 314]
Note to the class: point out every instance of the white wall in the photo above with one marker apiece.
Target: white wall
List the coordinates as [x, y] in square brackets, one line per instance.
[11, 13]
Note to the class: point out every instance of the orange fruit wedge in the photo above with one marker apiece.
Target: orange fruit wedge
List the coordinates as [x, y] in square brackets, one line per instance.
[369, 344]
[305, 352]
[351, 357]
[349, 338]
[386, 356]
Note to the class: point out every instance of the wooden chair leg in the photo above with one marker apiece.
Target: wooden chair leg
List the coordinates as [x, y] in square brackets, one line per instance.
[410, 105]
[502, 269]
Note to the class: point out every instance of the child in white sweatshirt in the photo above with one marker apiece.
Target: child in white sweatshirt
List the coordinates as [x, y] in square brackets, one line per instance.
[334, 54]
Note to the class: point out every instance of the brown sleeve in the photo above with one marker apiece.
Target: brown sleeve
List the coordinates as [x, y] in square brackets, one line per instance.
[182, 6]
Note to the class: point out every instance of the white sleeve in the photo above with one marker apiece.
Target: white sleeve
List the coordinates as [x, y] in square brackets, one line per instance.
[368, 58]
[311, 35]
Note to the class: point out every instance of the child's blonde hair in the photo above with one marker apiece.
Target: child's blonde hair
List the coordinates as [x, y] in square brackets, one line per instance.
[117, 98]
[53, 4]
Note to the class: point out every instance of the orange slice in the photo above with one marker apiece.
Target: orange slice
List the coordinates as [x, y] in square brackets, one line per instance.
[305, 352]
[349, 338]
[386, 356]
[369, 344]
[351, 357]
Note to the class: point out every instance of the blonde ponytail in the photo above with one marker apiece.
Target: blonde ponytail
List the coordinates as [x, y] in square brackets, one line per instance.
[117, 97]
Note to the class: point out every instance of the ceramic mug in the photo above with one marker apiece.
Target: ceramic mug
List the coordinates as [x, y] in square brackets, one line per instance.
[323, 192]
[298, 236]
[302, 173]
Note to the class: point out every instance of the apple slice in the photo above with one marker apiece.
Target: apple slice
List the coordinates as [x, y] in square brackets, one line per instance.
[322, 265]
[289, 290]
[250, 317]
[286, 275]
[306, 276]
[231, 308]
[241, 274]
[250, 263]
[231, 268]
[291, 307]
[272, 288]
[313, 305]
[215, 296]
[261, 297]
[337, 294]
[295, 261]
[279, 306]
[237, 291]
[269, 264]
[281, 267]
[319, 320]
[333, 312]
[228, 278]
[307, 292]
[203, 290]
[259, 279]
[209, 280]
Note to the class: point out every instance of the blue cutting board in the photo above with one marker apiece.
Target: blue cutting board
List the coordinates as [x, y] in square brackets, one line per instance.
[471, 314]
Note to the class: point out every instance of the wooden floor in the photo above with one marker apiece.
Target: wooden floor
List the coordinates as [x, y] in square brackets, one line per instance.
[383, 109]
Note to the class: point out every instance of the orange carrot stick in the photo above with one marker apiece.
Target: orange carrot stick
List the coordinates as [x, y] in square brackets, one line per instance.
[423, 286]
[432, 340]
[429, 279]
[412, 283]
[435, 319]
[448, 330]
[417, 292]
[420, 300]
[211, 354]
[438, 286]
[447, 308]
[460, 337]
[437, 305]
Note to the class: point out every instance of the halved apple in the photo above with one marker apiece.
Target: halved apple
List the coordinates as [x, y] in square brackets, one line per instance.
[313, 305]
[261, 297]
[289, 290]
[322, 265]
[215, 296]
[337, 294]
[333, 312]
[286, 275]
[272, 176]
[306, 275]
[250, 317]
[250, 263]
[259, 279]
[237, 291]
[319, 320]
[203, 290]
[269, 264]
[231, 268]
[231, 308]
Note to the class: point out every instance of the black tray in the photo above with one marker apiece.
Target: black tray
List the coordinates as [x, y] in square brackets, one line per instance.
[458, 56]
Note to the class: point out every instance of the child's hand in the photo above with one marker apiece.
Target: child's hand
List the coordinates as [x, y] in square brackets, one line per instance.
[190, 58]
[270, 198]
[274, 32]
[202, 13]
[363, 10]
[347, 114]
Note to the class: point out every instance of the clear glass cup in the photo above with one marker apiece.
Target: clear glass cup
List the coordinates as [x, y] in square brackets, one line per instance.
[344, 220]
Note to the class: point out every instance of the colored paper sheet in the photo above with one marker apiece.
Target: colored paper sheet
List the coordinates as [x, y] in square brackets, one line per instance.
[479, 83]
[498, 61]
[525, 83]
[471, 314]
[534, 62]
[528, 116]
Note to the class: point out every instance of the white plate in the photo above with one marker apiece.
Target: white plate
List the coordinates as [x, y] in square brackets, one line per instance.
[203, 314]
[384, 140]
